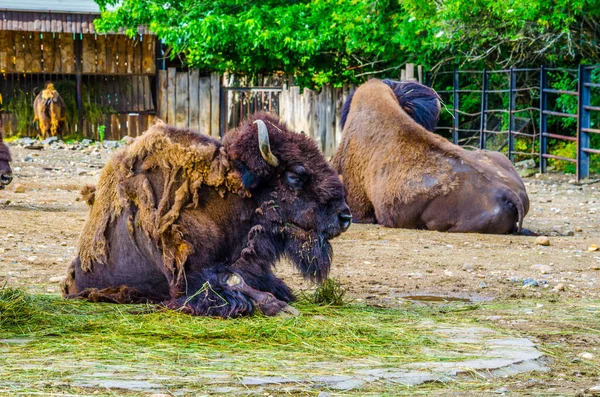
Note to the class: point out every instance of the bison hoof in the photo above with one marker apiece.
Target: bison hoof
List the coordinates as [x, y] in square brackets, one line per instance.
[289, 311]
[272, 306]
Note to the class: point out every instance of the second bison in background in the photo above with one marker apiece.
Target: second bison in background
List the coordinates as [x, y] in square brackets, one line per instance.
[49, 110]
[399, 174]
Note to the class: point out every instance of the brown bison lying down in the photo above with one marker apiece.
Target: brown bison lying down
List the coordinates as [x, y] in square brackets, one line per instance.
[399, 174]
[198, 225]
[5, 171]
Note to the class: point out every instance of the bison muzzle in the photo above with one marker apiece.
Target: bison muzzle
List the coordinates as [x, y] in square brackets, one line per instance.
[198, 225]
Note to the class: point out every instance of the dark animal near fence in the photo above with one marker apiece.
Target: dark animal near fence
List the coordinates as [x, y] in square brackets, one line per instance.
[399, 174]
[418, 101]
[49, 110]
[5, 170]
[198, 225]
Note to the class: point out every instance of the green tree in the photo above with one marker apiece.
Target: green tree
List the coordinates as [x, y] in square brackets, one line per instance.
[334, 41]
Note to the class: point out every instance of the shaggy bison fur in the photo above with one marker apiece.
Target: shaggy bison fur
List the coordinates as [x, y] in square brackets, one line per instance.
[198, 225]
[5, 170]
[418, 101]
[398, 174]
[49, 110]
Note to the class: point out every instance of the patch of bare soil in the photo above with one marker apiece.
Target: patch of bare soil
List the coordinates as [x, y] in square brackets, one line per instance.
[40, 226]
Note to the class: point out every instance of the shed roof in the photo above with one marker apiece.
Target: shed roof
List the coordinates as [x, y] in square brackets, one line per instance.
[71, 6]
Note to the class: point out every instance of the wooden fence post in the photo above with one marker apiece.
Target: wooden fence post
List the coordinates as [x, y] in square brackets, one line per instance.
[583, 125]
[215, 97]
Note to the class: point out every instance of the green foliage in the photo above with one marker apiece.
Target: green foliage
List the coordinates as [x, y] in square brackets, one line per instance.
[335, 41]
[330, 292]
[101, 131]
[21, 105]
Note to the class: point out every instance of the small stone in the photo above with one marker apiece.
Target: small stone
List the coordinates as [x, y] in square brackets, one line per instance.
[558, 287]
[595, 390]
[578, 229]
[63, 244]
[448, 273]
[543, 269]
[468, 267]
[56, 279]
[542, 240]
[593, 248]
[529, 282]
[483, 284]
[569, 233]
[586, 356]
[19, 188]
[10, 235]
[31, 259]
[502, 390]
[594, 267]
[80, 171]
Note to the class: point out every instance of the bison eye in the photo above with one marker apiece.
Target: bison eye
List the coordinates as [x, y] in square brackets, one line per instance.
[294, 180]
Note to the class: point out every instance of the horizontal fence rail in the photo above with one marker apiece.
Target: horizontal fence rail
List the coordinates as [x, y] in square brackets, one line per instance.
[519, 107]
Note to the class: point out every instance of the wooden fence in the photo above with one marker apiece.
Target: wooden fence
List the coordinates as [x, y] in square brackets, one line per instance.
[316, 114]
[187, 100]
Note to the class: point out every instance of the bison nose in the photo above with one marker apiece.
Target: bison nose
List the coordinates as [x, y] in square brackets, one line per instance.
[345, 219]
[5, 179]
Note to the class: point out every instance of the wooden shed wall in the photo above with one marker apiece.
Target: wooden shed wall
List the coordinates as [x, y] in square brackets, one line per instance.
[35, 52]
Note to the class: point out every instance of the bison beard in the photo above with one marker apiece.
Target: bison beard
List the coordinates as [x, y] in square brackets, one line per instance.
[197, 225]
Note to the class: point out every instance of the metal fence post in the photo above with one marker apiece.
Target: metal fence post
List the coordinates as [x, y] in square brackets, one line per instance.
[511, 109]
[455, 108]
[543, 120]
[484, 107]
[583, 125]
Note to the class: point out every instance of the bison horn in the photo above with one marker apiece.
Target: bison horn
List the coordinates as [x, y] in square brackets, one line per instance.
[264, 145]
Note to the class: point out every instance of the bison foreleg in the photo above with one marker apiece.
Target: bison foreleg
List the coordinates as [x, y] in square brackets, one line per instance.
[255, 265]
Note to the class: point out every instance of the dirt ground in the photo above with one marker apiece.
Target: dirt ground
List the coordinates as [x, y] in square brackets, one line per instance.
[41, 217]
[40, 226]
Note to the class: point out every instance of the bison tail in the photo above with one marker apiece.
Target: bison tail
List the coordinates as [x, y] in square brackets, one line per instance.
[518, 203]
[88, 194]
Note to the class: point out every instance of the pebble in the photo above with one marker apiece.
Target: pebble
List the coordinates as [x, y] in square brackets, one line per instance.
[502, 390]
[543, 269]
[483, 284]
[529, 282]
[594, 267]
[31, 259]
[558, 287]
[448, 273]
[19, 188]
[63, 244]
[80, 171]
[542, 240]
[593, 248]
[578, 229]
[586, 356]
[56, 279]
[468, 267]
[569, 233]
